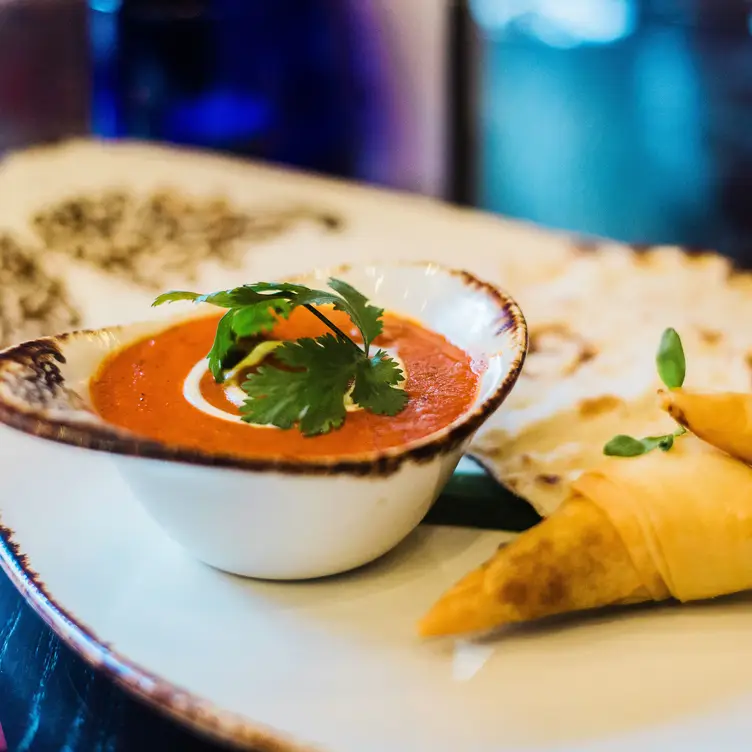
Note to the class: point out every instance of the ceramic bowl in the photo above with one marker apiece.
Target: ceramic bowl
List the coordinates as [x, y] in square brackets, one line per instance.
[286, 518]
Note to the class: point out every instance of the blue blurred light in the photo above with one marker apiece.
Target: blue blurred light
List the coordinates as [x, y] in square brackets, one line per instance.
[219, 116]
[105, 6]
[558, 23]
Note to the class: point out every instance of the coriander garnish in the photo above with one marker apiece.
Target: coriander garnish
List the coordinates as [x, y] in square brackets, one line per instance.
[319, 374]
[672, 369]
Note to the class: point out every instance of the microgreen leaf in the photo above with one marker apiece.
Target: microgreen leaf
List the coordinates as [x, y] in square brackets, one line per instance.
[666, 442]
[672, 368]
[311, 396]
[628, 446]
[670, 360]
[376, 382]
[624, 446]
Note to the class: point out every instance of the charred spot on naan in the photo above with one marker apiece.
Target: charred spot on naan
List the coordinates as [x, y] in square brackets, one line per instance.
[583, 245]
[643, 251]
[589, 408]
[648, 253]
[557, 342]
[710, 336]
[548, 479]
[539, 333]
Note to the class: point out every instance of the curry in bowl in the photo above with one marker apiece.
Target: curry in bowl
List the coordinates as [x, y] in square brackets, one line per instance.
[161, 387]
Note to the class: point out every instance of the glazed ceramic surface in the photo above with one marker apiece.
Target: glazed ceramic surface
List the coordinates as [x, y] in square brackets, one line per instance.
[334, 664]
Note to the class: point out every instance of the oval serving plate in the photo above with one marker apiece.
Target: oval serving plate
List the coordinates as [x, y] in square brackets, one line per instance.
[333, 665]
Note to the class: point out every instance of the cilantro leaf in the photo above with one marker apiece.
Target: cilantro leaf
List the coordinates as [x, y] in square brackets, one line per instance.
[318, 298]
[278, 287]
[365, 316]
[224, 340]
[262, 317]
[175, 295]
[237, 297]
[234, 298]
[237, 323]
[375, 385]
[311, 387]
[311, 396]
[295, 295]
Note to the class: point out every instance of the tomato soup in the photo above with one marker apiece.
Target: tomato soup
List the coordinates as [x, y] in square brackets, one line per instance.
[143, 388]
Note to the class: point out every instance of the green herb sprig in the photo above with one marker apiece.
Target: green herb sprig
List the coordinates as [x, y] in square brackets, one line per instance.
[672, 369]
[318, 373]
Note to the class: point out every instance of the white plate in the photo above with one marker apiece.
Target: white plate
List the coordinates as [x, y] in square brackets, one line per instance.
[335, 664]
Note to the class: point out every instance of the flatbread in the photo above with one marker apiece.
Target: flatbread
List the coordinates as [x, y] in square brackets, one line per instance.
[110, 259]
[591, 374]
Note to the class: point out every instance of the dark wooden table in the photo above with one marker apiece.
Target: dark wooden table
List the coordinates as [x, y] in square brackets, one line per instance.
[52, 701]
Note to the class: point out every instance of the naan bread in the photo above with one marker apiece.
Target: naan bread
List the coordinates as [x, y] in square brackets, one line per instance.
[590, 374]
[113, 221]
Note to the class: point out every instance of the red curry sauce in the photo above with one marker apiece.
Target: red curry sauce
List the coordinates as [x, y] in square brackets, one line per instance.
[140, 388]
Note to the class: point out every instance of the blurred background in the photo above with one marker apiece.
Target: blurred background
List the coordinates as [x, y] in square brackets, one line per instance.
[624, 118]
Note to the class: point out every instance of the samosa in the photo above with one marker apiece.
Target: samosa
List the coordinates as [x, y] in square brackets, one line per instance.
[723, 419]
[674, 524]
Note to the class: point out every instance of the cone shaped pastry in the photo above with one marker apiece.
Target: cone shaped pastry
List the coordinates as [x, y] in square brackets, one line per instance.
[723, 420]
[548, 570]
[666, 524]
